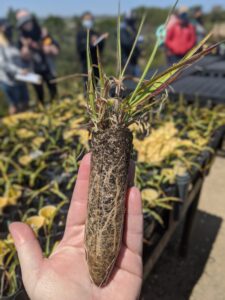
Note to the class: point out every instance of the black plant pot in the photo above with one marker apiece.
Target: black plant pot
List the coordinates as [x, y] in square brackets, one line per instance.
[217, 138]
[206, 156]
[182, 187]
[195, 173]
[170, 191]
[203, 158]
[183, 184]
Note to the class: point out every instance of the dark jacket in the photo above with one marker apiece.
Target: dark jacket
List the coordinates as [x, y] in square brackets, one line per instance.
[38, 61]
[81, 43]
[127, 36]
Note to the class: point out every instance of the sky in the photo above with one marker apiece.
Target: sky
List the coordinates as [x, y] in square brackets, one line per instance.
[76, 7]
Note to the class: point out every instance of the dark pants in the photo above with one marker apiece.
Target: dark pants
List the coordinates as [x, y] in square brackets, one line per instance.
[173, 59]
[133, 70]
[52, 88]
[16, 95]
[85, 71]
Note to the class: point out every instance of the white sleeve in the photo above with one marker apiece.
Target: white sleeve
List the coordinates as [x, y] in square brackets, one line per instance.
[7, 64]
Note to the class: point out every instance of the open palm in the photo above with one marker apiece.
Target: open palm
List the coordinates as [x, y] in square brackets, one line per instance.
[64, 275]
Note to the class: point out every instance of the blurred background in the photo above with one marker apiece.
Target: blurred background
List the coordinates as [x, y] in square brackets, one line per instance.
[62, 23]
[43, 109]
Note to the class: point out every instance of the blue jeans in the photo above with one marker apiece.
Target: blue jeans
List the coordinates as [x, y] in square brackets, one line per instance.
[16, 95]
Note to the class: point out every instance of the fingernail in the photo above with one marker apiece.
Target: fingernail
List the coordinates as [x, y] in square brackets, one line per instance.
[18, 233]
[86, 159]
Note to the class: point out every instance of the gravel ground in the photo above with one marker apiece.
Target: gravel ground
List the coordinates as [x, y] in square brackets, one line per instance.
[200, 276]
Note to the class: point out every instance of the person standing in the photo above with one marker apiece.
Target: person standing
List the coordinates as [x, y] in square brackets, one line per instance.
[197, 21]
[96, 40]
[35, 52]
[180, 38]
[163, 28]
[11, 65]
[128, 35]
[51, 49]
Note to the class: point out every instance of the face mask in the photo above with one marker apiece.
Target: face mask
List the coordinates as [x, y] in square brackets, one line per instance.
[87, 24]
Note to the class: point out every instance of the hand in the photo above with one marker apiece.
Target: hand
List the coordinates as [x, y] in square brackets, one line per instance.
[24, 71]
[93, 39]
[35, 45]
[25, 53]
[25, 41]
[50, 49]
[105, 35]
[64, 275]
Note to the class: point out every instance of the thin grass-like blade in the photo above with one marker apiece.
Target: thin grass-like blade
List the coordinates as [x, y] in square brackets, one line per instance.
[197, 47]
[171, 12]
[90, 87]
[89, 62]
[149, 63]
[152, 56]
[119, 56]
[156, 84]
[70, 76]
[164, 205]
[156, 216]
[134, 45]
[101, 73]
[151, 92]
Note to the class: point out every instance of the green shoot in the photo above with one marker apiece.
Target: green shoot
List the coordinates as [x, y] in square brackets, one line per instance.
[119, 56]
[149, 63]
[171, 12]
[152, 56]
[160, 82]
[91, 87]
[199, 46]
[101, 74]
[105, 111]
[134, 45]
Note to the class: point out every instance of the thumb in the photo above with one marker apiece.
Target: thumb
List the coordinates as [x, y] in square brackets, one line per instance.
[29, 252]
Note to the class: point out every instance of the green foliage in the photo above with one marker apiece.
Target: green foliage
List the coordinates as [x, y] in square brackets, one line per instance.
[216, 15]
[55, 24]
[64, 31]
[154, 15]
[3, 105]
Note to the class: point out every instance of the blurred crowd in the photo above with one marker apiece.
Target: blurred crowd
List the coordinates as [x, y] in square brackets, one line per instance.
[184, 29]
[32, 54]
[31, 58]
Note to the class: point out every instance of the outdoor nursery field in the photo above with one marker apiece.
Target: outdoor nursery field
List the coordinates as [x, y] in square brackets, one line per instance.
[112, 153]
[39, 159]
